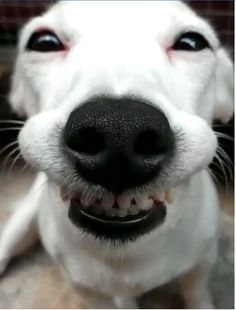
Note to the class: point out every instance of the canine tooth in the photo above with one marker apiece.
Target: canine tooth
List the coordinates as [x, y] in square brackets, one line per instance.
[124, 202]
[107, 201]
[161, 196]
[158, 196]
[143, 202]
[169, 196]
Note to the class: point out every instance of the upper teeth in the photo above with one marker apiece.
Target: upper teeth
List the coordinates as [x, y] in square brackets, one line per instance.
[124, 202]
[87, 200]
[144, 202]
[169, 196]
[121, 205]
[107, 201]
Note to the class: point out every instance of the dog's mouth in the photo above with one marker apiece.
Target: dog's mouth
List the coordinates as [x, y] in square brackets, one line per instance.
[126, 228]
[118, 221]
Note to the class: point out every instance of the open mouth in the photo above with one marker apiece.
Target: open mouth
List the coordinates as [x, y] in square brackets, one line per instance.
[117, 223]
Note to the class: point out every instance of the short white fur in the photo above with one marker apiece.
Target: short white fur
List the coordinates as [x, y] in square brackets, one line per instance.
[119, 48]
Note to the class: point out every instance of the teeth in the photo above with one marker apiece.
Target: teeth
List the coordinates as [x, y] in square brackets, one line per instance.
[122, 212]
[158, 196]
[107, 201]
[133, 210]
[124, 205]
[143, 202]
[169, 196]
[161, 196]
[124, 202]
[87, 200]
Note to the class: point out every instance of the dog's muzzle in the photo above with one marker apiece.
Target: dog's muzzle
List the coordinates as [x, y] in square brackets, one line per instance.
[120, 144]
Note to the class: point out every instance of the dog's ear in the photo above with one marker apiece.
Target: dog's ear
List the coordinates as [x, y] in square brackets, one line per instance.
[224, 105]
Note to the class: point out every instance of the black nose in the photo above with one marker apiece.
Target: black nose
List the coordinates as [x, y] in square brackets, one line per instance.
[118, 143]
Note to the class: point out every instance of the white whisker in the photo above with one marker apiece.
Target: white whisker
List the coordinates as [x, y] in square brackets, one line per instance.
[9, 121]
[10, 128]
[5, 162]
[23, 169]
[8, 146]
[224, 136]
[13, 163]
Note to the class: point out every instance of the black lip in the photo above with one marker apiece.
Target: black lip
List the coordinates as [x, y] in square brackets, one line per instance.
[124, 229]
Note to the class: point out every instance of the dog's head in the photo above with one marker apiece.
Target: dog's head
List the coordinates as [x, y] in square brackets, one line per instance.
[120, 98]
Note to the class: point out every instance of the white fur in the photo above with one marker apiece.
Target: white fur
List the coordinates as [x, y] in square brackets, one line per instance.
[119, 48]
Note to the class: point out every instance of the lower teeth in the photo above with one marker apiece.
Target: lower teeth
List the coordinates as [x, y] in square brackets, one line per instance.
[112, 212]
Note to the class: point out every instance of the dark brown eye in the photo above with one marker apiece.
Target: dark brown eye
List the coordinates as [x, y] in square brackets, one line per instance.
[44, 42]
[191, 41]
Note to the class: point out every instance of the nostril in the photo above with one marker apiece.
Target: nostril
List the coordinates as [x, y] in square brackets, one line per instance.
[86, 140]
[151, 143]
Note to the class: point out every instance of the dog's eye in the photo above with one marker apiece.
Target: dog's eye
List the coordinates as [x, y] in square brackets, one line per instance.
[45, 41]
[191, 41]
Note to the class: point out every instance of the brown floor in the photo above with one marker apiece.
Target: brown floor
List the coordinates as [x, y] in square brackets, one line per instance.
[33, 281]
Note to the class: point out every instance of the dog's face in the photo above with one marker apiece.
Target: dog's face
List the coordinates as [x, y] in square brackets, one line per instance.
[120, 97]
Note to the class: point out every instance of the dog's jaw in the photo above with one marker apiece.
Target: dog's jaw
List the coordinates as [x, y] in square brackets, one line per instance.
[117, 218]
[116, 228]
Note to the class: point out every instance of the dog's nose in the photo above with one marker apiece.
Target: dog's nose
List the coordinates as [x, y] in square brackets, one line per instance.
[118, 143]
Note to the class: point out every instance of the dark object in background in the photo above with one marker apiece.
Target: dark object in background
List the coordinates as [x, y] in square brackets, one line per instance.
[15, 13]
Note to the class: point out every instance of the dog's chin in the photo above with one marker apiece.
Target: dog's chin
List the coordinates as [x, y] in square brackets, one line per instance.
[114, 227]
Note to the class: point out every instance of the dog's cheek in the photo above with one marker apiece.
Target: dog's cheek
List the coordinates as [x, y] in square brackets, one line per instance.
[39, 139]
[31, 143]
[197, 144]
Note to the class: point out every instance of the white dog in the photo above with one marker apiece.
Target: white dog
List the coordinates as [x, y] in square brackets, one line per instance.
[120, 97]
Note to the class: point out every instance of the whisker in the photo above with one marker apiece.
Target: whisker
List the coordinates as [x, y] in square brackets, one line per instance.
[14, 163]
[11, 121]
[10, 128]
[8, 146]
[26, 166]
[5, 162]
[222, 125]
[224, 171]
[69, 188]
[226, 160]
[214, 177]
[224, 136]
[225, 156]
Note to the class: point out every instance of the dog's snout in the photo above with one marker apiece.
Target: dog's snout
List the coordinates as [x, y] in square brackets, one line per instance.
[118, 143]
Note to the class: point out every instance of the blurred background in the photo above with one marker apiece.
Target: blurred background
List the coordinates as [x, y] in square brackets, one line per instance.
[33, 281]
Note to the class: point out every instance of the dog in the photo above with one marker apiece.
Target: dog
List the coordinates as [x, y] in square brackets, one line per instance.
[120, 98]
